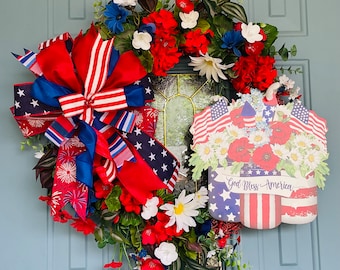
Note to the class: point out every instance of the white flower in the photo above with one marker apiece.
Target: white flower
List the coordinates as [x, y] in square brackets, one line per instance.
[167, 253]
[201, 197]
[141, 40]
[288, 83]
[181, 212]
[251, 32]
[312, 159]
[302, 141]
[280, 150]
[189, 20]
[209, 66]
[125, 3]
[295, 157]
[205, 151]
[39, 154]
[235, 132]
[150, 209]
[211, 253]
[258, 137]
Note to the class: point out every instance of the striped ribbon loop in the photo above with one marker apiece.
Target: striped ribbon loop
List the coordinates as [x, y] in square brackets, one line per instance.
[85, 104]
[78, 104]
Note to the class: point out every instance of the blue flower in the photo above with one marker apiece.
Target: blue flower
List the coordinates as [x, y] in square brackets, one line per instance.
[231, 40]
[149, 28]
[204, 228]
[115, 17]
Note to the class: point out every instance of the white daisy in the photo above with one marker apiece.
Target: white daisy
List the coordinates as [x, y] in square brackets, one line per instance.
[209, 66]
[201, 197]
[295, 157]
[182, 212]
[312, 159]
[302, 141]
[258, 137]
[217, 139]
[280, 150]
[205, 151]
[235, 132]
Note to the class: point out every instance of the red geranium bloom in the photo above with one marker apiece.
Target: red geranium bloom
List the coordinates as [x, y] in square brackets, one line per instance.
[113, 265]
[280, 132]
[151, 264]
[62, 216]
[164, 50]
[254, 48]
[85, 226]
[254, 71]
[196, 42]
[101, 190]
[239, 150]
[185, 5]
[149, 235]
[130, 204]
[265, 158]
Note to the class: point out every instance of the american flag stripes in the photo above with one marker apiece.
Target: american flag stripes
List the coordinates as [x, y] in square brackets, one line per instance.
[260, 211]
[304, 120]
[212, 119]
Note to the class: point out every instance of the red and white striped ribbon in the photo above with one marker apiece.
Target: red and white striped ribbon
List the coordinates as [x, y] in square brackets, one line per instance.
[92, 99]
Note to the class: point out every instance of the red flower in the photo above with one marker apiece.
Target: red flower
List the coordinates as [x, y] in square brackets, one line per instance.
[113, 265]
[265, 158]
[254, 48]
[185, 5]
[46, 199]
[85, 226]
[130, 204]
[101, 190]
[164, 48]
[196, 42]
[237, 118]
[254, 71]
[151, 264]
[149, 235]
[62, 216]
[280, 132]
[222, 242]
[239, 150]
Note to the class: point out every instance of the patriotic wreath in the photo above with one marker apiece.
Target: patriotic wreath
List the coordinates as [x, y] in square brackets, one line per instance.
[104, 170]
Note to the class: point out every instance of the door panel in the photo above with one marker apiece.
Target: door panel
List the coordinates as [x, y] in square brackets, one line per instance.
[30, 240]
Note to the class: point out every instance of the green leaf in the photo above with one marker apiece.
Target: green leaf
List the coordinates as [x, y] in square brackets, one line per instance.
[236, 167]
[284, 53]
[112, 201]
[293, 50]
[234, 10]
[130, 219]
[272, 34]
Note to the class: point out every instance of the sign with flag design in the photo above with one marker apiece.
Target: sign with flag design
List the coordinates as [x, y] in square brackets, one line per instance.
[265, 160]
